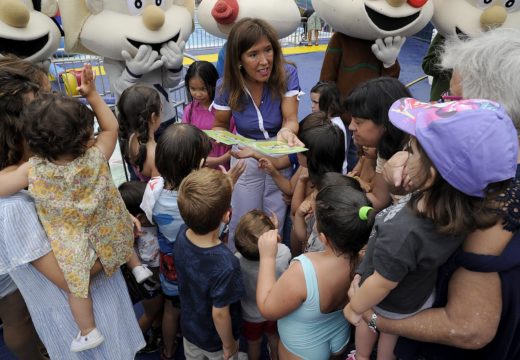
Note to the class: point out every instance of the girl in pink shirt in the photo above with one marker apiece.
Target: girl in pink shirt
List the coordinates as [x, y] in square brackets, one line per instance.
[201, 79]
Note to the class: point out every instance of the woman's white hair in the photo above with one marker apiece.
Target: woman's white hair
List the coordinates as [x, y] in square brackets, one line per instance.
[489, 67]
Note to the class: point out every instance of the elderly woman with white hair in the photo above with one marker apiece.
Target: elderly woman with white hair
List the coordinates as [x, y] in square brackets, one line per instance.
[477, 309]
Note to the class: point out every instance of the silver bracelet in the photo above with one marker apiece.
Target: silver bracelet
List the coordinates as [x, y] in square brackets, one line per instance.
[372, 323]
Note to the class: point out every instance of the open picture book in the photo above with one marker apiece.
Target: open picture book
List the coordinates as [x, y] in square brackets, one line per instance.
[266, 147]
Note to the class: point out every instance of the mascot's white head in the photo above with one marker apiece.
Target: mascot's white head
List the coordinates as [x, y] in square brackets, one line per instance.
[218, 16]
[470, 17]
[374, 19]
[107, 27]
[26, 29]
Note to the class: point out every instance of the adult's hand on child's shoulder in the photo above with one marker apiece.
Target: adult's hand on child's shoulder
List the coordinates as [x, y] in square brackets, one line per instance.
[268, 244]
[88, 83]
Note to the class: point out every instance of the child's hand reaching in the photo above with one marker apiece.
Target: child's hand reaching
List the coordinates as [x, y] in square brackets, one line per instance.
[88, 84]
[268, 244]
[243, 152]
[353, 317]
[267, 166]
[235, 172]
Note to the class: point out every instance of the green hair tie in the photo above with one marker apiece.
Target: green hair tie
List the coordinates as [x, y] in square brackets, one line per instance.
[363, 212]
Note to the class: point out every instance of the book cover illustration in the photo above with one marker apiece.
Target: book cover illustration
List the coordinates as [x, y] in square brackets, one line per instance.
[267, 147]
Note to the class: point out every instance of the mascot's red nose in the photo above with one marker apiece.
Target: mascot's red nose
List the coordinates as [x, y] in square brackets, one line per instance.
[417, 3]
[225, 11]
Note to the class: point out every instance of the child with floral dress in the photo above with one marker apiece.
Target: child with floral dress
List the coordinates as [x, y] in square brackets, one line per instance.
[78, 205]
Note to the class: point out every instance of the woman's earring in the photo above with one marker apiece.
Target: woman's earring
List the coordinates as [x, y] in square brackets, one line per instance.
[240, 67]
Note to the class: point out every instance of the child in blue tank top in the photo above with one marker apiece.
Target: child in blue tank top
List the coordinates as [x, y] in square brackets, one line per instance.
[307, 299]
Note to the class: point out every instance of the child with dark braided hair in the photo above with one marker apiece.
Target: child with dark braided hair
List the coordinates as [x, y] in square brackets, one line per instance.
[139, 118]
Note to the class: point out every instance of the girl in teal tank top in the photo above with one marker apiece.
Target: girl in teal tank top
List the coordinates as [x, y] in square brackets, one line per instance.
[309, 296]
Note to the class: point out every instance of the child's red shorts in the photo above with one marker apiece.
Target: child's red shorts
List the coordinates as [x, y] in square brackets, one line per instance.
[254, 331]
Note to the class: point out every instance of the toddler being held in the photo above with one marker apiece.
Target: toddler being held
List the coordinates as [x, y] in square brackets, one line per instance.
[78, 205]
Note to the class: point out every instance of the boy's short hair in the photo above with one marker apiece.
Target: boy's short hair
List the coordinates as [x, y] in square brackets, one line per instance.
[249, 228]
[203, 199]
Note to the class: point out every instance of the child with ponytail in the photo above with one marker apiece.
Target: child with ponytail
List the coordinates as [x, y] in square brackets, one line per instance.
[139, 116]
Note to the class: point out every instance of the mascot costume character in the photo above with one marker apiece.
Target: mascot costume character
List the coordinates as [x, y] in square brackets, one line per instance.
[142, 41]
[28, 31]
[463, 18]
[218, 17]
[369, 35]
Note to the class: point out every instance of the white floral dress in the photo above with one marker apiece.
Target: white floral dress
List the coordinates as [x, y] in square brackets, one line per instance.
[83, 215]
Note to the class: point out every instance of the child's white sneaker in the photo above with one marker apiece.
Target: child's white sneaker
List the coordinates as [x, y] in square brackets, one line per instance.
[141, 273]
[89, 341]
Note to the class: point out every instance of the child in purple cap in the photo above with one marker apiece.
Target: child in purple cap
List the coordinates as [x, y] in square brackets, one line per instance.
[461, 157]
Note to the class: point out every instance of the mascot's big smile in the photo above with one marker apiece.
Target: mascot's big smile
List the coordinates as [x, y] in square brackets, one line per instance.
[155, 46]
[23, 48]
[388, 23]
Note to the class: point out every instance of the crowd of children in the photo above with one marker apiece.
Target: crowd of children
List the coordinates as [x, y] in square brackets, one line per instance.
[293, 290]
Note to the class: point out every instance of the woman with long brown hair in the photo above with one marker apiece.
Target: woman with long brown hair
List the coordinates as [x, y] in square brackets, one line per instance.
[260, 90]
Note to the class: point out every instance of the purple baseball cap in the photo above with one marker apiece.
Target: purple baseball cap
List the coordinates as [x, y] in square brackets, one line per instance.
[472, 143]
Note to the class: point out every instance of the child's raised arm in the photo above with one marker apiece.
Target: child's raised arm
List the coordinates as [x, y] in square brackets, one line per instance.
[277, 298]
[107, 138]
[299, 235]
[283, 183]
[14, 180]
[300, 190]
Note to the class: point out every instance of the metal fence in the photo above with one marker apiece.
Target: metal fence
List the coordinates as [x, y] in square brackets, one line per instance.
[201, 39]
[63, 71]
[64, 67]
